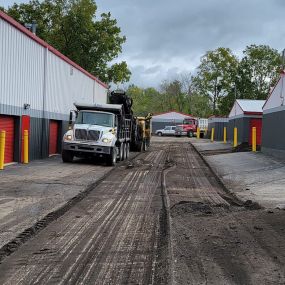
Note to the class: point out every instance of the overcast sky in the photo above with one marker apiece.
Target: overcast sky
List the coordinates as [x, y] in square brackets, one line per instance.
[166, 38]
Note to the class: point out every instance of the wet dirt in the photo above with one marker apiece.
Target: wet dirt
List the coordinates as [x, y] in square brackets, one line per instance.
[217, 239]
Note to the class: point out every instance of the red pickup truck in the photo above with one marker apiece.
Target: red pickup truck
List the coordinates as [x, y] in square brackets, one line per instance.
[189, 127]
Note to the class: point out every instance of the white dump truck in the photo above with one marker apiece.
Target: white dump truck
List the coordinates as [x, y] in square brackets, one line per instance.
[106, 130]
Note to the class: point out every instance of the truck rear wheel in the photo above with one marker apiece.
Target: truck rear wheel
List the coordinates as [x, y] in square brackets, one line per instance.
[67, 155]
[121, 157]
[112, 157]
[140, 146]
[127, 150]
[144, 145]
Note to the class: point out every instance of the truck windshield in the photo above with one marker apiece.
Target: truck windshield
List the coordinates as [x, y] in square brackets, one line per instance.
[188, 122]
[94, 118]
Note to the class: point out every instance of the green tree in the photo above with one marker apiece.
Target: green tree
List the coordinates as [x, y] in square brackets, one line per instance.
[258, 71]
[72, 28]
[174, 95]
[145, 100]
[215, 76]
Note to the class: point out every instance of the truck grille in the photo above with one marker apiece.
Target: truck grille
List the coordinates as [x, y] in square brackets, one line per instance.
[93, 135]
[82, 134]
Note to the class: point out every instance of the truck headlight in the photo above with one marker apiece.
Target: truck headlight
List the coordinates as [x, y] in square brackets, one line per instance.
[106, 140]
[68, 137]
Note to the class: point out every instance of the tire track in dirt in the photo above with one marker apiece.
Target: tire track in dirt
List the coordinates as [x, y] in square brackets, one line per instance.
[214, 241]
[110, 237]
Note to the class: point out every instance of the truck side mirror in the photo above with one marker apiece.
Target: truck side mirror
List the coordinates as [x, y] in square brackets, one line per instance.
[70, 118]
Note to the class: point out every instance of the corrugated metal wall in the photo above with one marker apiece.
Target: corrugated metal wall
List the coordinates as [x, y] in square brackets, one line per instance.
[21, 71]
[273, 133]
[32, 74]
[219, 130]
[242, 125]
[65, 85]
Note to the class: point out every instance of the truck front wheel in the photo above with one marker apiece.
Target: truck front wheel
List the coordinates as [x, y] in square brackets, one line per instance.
[67, 155]
[190, 134]
[112, 157]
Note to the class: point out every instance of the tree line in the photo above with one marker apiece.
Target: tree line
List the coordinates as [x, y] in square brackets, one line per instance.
[219, 79]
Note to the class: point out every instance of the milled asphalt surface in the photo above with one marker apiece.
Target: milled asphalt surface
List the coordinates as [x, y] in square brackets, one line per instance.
[109, 237]
[162, 218]
[30, 192]
[251, 176]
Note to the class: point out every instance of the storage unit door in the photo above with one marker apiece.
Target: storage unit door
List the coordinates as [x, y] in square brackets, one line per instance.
[258, 124]
[7, 124]
[53, 137]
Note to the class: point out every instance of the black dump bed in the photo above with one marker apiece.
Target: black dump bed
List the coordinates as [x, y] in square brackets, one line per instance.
[117, 109]
[120, 97]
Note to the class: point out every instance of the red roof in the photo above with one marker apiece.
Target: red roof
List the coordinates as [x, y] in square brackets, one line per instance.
[29, 34]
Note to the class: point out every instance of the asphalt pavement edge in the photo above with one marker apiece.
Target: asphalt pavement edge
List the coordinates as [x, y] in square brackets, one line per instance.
[236, 200]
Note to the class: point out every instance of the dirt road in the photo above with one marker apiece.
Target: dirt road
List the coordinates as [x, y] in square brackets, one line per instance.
[119, 233]
[215, 238]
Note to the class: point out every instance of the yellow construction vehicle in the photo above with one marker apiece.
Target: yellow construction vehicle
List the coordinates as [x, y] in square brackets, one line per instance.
[145, 129]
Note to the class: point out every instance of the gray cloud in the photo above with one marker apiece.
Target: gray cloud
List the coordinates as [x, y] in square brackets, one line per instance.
[165, 37]
[173, 35]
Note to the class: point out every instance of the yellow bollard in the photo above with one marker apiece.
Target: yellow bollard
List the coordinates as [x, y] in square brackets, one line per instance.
[2, 149]
[26, 146]
[225, 134]
[212, 134]
[254, 139]
[198, 133]
[235, 137]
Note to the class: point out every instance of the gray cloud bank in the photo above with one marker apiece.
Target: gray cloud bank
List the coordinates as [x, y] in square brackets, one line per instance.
[165, 38]
[168, 37]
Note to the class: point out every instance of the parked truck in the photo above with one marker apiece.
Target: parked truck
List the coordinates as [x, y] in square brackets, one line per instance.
[106, 130]
[190, 125]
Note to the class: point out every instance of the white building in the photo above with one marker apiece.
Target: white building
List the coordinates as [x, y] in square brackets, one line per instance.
[38, 86]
